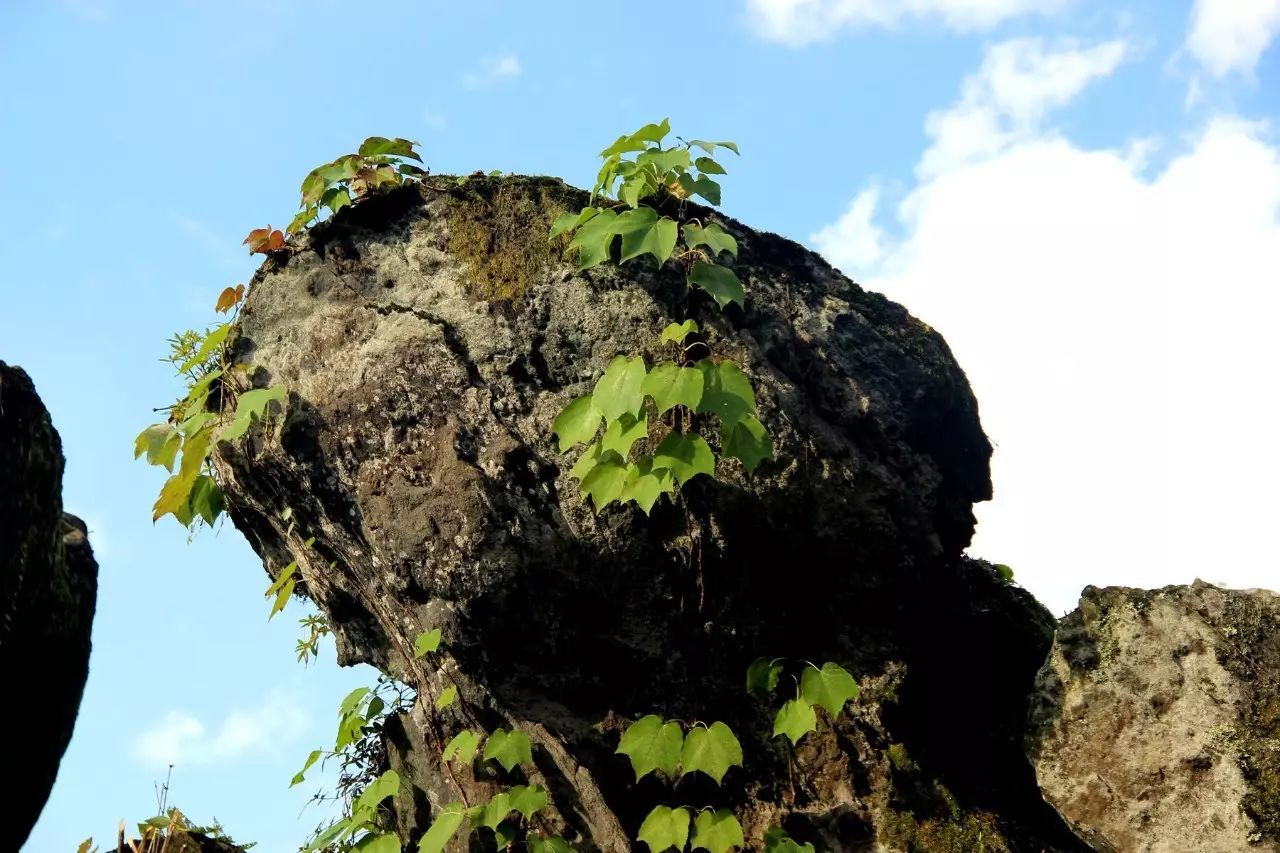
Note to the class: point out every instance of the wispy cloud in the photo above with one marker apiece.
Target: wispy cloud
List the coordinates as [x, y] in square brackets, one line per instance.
[1228, 36]
[492, 71]
[799, 22]
[180, 737]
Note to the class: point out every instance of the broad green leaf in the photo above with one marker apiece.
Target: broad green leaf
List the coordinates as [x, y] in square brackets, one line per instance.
[250, 405]
[440, 832]
[208, 346]
[748, 441]
[550, 844]
[665, 828]
[713, 237]
[496, 810]
[569, 221]
[604, 483]
[335, 198]
[762, 676]
[619, 391]
[301, 775]
[671, 385]
[463, 746]
[644, 232]
[594, 238]
[383, 842]
[645, 484]
[160, 442]
[352, 699]
[1005, 573]
[652, 745]
[726, 391]
[342, 169]
[174, 494]
[206, 499]
[831, 687]
[685, 455]
[379, 145]
[528, 799]
[329, 835]
[426, 643]
[504, 834]
[623, 433]
[198, 393]
[718, 281]
[710, 147]
[634, 188]
[711, 750]
[447, 697]
[302, 217]
[592, 456]
[795, 719]
[508, 748]
[707, 188]
[386, 785]
[654, 132]
[776, 840]
[717, 831]
[708, 166]
[577, 423]
[350, 728]
[677, 332]
[313, 186]
[666, 160]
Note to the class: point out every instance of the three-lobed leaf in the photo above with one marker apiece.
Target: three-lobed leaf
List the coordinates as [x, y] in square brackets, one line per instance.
[577, 423]
[726, 391]
[644, 232]
[620, 390]
[652, 744]
[442, 829]
[463, 746]
[426, 642]
[677, 332]
[644, 484]
[528, 800]
[762, 676]
[685, 455]
[717, 831]
[712, 236]
[672, 385]
[605, 480]
[508, 748]
[594, 239]
[664, 828]
[748, 441]
[795, 719]
[831, 687]
[550, 844]
[252, 405]
[720, 282]
[711, 750]
[621, 434]
[776, 840]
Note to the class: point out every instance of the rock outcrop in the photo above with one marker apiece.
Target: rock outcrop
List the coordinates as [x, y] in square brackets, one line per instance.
[1156, 721]
[48, 587]
[429, 337]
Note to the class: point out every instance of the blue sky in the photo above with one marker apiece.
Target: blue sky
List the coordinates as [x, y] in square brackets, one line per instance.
[1081, 196]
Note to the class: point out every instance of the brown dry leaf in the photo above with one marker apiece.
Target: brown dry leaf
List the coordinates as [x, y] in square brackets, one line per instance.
[264, 240]
[228, 298]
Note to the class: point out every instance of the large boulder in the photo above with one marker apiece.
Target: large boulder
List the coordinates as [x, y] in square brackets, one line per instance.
[48, 587]
[1156, 720]
[429, 337]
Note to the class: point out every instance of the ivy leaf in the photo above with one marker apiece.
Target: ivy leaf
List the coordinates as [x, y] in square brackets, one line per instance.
[463, 746]
[379, 145]
[228, 298]
[550, 844]
[713, 237]
[251, 405]
[643, 232]
[762, 676]
[508, 748]
[594, 238]
[748, 441]
[701, 185]
[685, 455]
[776, 840]
[335, 198]
[578, 422]
[426, 643]
[300, 776]
[645, 484]
[386, 785]
[313, 186]
[726, 391]
[385, 842]
[206, 499]
[624, 432]
[720, 282]
[441, 829]
[711, 750]
[1005, 573]
[619, 392]
[302, 217]
[795, 719]
[654, 132]
[677, 332]
[831, 687]
[664, 160]
[569, 221]
[264, 240]
[160, 442]
[496, 810]
[710, 147]
[665, 828]
[717, 831]
[352, 699]
[671, 385]
[708, 166]
[208, 346]
[447, 697]
[528, 799]
[504, 834]
[590, 457]
[652, 745]
[605, 481]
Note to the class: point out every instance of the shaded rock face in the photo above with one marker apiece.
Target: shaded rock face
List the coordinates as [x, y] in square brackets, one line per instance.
[429, 338]
[48, 586]
[1156, 721]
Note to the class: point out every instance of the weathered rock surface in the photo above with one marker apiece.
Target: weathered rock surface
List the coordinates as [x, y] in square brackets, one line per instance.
[429, 338]
[48, 586]
[1156, 722]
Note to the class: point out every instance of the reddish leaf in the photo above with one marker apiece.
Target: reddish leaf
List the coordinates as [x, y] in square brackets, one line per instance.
[228, 298]
[264, 240]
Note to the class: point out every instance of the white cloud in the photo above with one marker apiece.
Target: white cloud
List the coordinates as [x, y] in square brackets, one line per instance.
[1117, 329]
[1230, 35]
[798, 22]
[181, 738]
[493, 71]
